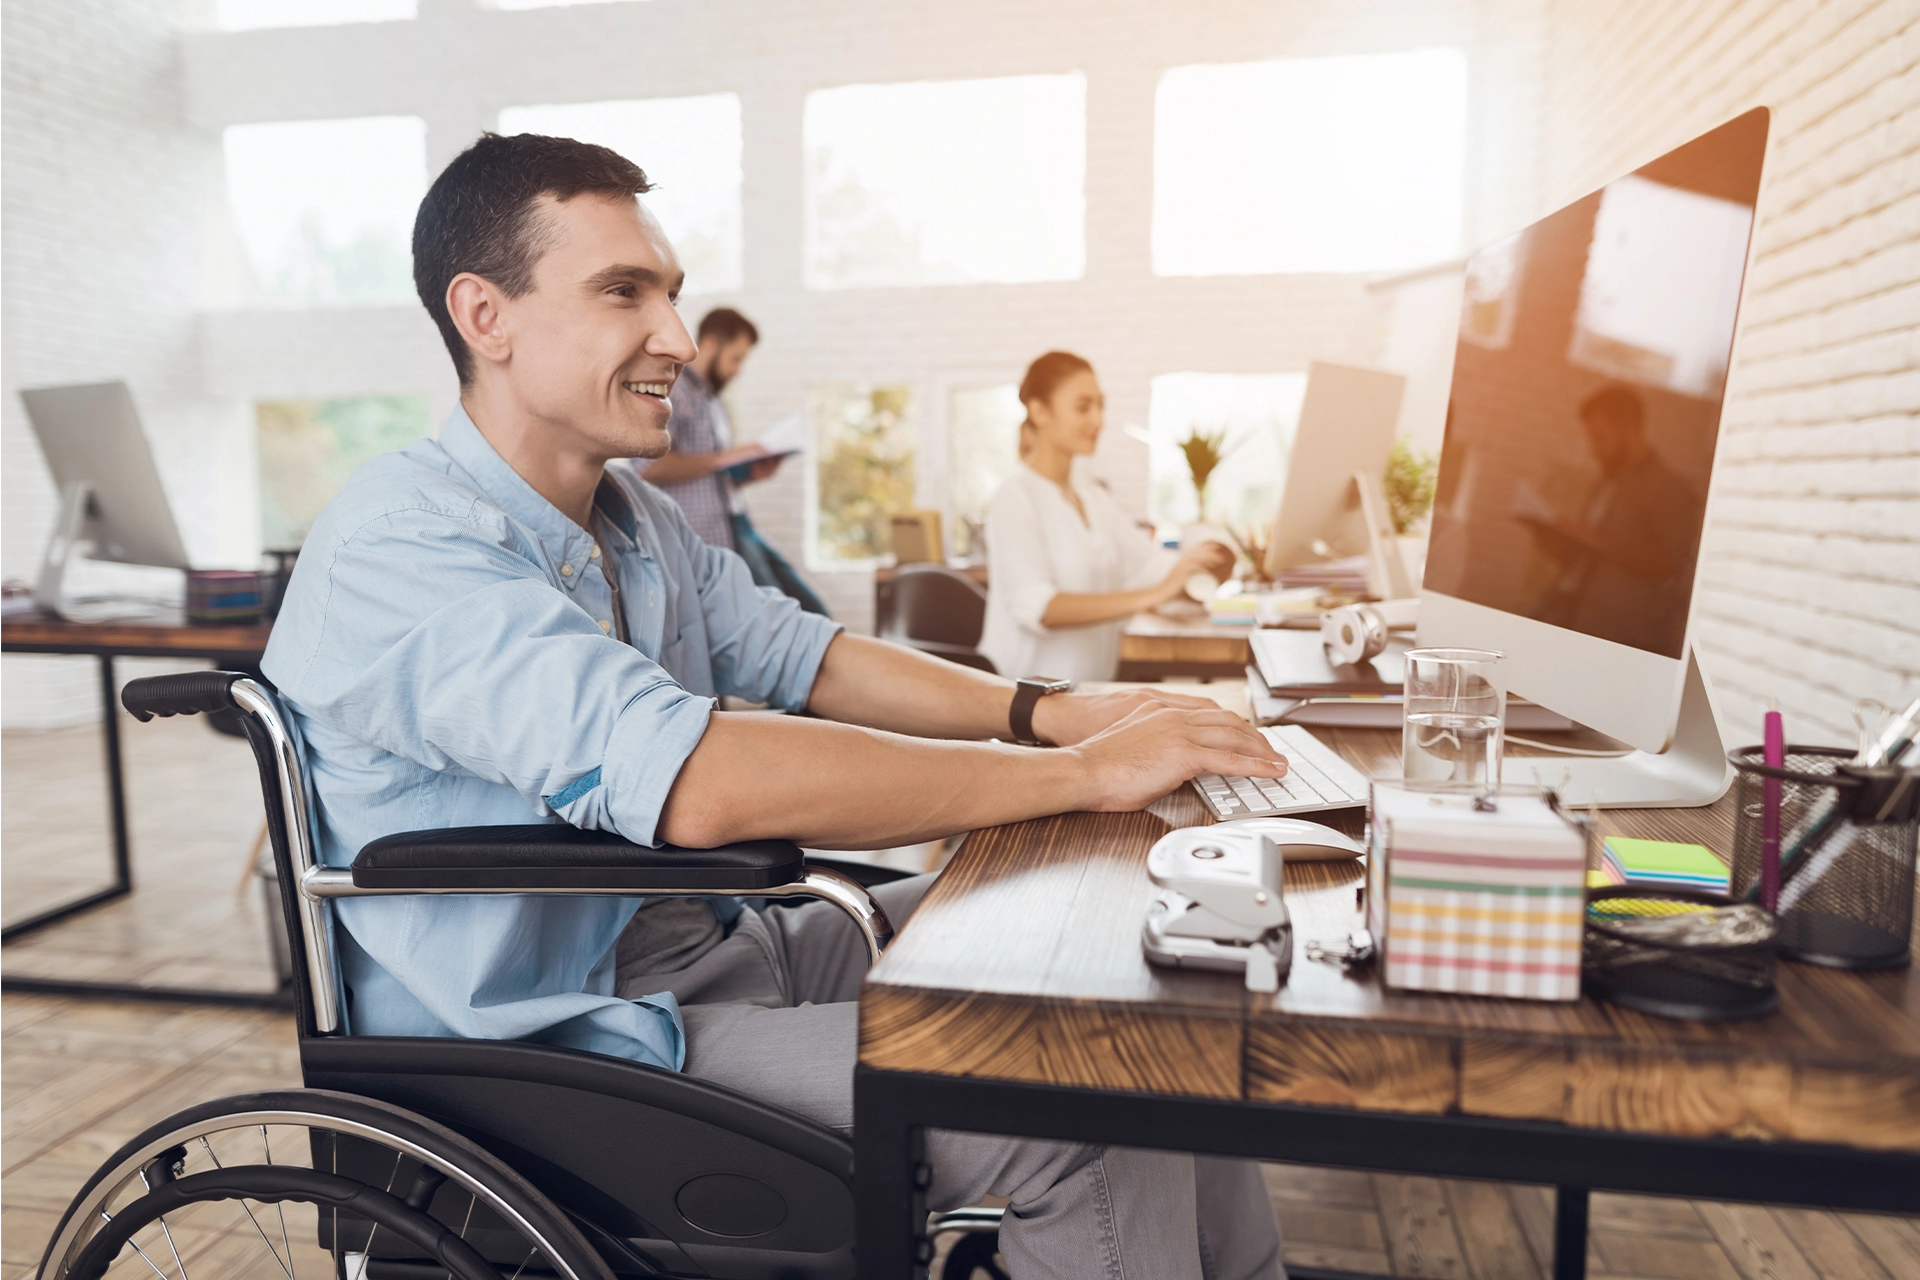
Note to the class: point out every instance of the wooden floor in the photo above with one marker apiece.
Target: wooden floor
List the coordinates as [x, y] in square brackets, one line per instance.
[78, 1078]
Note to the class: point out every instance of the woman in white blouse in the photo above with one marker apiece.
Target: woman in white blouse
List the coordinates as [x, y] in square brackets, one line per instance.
[1067, 567]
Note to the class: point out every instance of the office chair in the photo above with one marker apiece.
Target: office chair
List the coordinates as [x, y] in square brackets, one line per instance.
[931, 608]
[427, 1158]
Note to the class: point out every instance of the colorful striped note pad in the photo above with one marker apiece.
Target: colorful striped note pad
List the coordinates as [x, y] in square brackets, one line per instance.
[1477, 902]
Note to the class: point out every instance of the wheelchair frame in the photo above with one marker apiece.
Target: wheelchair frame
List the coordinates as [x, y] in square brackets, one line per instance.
[545, 1123]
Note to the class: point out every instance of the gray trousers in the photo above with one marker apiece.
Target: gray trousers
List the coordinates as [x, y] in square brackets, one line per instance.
[770, 1011]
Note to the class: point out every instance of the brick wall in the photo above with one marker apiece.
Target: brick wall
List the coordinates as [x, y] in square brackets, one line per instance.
[1812, 567]
[106, 189]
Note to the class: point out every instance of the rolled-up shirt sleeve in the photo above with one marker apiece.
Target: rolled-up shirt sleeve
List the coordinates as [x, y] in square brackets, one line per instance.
[1017, 563]
[765, 647]
[469, 662]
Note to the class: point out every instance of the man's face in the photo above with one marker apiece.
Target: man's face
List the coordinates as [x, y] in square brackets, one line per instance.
[597, 344]
[727, 359]
[1616, 441]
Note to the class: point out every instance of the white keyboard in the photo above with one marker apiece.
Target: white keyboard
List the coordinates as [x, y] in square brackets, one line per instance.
[1317, 780]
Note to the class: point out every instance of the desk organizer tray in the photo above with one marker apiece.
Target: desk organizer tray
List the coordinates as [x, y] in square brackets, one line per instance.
[1680, 953]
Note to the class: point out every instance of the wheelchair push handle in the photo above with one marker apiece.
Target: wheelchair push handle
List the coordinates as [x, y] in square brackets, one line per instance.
[185, 693]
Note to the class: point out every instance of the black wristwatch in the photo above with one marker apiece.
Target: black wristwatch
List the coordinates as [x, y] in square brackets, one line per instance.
[1028, 691]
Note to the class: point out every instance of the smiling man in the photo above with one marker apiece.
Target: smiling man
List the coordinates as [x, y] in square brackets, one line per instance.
[491, 627]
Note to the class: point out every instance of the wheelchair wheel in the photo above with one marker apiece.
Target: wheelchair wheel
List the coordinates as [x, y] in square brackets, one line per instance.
[308, 1184]
[975, 1256]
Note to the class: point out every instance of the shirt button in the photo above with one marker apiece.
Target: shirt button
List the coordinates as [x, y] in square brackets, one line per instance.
[606, 626]
[566, 571]
[595, 553]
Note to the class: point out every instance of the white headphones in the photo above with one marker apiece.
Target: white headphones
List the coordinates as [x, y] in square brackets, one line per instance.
[1354, 633]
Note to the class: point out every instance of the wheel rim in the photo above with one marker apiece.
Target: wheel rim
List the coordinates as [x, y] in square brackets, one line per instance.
[223, 1225]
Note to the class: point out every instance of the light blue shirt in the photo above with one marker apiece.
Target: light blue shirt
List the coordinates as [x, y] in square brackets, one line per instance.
[449, 651]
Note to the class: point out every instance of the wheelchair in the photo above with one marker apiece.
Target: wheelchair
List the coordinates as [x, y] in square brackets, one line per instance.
[450, 1159]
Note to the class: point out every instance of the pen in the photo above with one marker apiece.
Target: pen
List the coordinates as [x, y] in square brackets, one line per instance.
[1774, 755]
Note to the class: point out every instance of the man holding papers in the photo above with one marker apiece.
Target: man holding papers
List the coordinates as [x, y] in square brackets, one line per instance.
[705, 468]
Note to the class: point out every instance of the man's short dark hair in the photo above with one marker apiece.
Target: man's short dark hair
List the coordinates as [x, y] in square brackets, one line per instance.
[480, 215]
[1616, 404]
[724, 324]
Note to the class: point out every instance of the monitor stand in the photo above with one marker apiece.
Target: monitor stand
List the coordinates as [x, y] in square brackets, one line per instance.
[69, 529]
[1691, 772]
[69, 542]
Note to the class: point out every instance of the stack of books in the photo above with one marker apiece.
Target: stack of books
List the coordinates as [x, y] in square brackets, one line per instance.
[1346, 576]
[1476, 902]
[1660, 864]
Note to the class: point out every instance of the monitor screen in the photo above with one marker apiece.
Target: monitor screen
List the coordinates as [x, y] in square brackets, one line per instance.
[1587, 385]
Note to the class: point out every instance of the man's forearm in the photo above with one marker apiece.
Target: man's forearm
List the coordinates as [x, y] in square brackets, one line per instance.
[844, 787]
[675, 467]
[889, 686]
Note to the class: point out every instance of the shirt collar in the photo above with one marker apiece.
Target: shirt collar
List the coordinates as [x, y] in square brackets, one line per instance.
[566, 543]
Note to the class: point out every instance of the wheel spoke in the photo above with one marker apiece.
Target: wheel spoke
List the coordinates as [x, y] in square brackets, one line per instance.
[168, 1233]
[250, 1218]
[472, 1200]
[107, 1217]
[523, 1263]
[280, 1209]
[366, 1259]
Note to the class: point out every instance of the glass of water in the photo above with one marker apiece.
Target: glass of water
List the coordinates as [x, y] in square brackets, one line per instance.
[1456, 709]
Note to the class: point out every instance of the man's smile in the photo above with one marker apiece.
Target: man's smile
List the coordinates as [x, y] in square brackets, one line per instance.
[656, 389]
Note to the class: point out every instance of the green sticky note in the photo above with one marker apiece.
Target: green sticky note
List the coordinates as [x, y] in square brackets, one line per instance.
[1666, 860]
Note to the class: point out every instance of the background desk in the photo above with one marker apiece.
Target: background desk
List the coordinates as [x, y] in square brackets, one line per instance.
[1155, 646]
[1017, 1001]
[225, 645]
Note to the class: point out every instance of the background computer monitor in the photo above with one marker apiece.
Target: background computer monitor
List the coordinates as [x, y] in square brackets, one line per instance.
[1585, 410]
[91, 435]
[1347, 420]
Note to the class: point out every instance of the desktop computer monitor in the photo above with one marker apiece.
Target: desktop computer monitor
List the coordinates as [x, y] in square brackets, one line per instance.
[1581, 431]
[110, 492]
[1347, 419]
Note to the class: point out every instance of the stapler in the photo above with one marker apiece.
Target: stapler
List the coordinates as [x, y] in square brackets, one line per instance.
[1220, 905]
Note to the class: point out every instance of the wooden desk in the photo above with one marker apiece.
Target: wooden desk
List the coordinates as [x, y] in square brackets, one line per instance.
[1017, 1001]
[1155, 646]
[226, 645]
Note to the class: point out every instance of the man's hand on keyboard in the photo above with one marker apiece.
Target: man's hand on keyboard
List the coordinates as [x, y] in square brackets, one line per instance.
[1155, 748]
[1069, 718]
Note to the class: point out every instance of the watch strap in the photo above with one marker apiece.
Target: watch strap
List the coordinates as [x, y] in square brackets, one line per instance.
[1027, 693]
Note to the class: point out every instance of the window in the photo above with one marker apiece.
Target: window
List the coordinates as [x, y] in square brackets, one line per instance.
[1254, 416]
[251, 15]
[308, 448]
[690, 147]
[863, 473]
[324, 208]
[955, 182]
[983, 448]
[1314, 164]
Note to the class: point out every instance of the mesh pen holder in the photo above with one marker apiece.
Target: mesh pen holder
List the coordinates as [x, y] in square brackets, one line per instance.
[1847, 839]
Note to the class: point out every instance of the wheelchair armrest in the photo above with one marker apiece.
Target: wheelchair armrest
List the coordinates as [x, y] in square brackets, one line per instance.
[552, 856]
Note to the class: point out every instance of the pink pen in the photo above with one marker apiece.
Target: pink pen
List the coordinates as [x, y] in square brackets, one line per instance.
[1774, 756]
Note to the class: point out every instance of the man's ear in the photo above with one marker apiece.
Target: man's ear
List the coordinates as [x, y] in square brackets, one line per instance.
[475, 305]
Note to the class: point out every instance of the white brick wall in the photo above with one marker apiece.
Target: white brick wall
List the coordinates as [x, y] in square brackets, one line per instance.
[100, 236]
[1812, 573]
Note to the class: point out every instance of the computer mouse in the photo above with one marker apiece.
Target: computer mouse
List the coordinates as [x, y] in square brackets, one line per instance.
[1300, 840]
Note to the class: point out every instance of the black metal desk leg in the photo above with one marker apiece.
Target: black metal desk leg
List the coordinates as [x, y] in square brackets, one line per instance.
[890, 1180]
[1570, 1233]
[116, 781]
